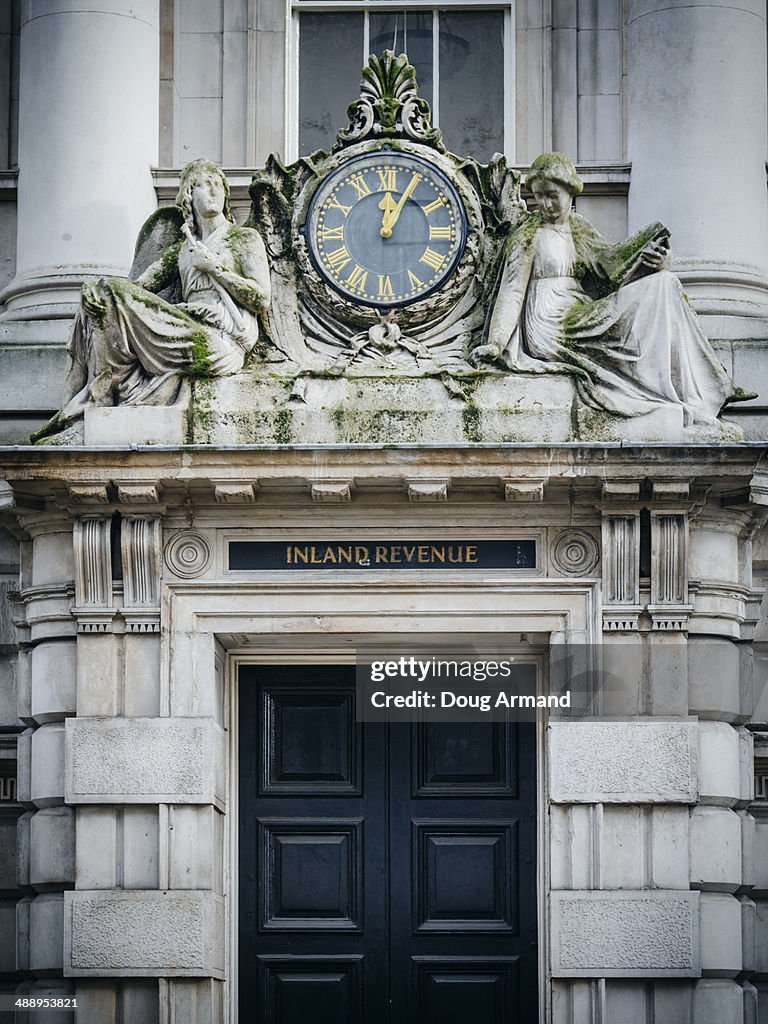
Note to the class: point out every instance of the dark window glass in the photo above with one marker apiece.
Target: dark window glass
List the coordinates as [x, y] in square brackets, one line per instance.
[330, 52]
[406, 33]
[471, 73]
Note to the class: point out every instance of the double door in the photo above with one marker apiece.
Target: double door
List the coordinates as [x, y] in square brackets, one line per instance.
[387, 872]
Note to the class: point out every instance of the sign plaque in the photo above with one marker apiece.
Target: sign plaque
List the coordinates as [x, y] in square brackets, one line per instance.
[382, 554]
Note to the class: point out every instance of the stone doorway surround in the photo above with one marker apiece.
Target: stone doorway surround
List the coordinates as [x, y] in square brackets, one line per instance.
[649, 851]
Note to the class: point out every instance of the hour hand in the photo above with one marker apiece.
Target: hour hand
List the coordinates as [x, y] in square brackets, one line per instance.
[388, 205]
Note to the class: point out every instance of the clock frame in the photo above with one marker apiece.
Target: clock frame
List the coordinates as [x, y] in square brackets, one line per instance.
[386, 228]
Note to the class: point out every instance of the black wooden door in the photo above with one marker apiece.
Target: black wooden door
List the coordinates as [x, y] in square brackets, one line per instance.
[387, 873]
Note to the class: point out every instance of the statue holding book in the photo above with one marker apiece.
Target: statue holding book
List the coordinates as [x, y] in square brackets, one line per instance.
[612, 316]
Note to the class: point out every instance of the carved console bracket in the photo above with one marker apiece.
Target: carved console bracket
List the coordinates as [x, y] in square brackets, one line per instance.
[142, 560]
[621, 570]
[91, 537]
[669, 608]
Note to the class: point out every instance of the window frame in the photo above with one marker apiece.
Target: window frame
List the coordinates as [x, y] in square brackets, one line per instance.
[295, 7]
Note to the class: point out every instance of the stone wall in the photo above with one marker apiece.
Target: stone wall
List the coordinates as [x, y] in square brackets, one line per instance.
[651, 877]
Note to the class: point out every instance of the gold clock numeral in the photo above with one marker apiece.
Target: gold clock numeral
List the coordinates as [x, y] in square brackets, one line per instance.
[357, 278]
[326, 234]
[435, 205]
[334, 204]
[387, 180]
[385, 288]
[338, 258]
[440, 232]
[360, 186]
[415, 282]
[432, 259]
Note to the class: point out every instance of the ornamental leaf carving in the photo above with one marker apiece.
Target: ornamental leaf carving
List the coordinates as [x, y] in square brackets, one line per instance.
[389, 106]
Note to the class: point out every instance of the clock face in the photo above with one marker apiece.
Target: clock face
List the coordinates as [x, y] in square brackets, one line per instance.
[386, 229]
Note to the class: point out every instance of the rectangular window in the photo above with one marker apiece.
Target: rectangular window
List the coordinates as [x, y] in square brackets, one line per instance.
[463, 58]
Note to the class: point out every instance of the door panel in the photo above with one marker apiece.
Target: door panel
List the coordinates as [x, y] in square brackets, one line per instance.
[387, 873]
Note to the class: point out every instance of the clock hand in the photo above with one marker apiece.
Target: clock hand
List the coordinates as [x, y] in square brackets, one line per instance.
[391, 220]
[387, 204]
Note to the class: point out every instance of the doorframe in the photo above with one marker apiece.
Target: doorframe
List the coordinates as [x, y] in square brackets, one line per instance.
[214, 626]
[327, 654]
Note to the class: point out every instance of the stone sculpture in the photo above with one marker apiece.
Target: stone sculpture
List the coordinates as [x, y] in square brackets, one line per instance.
[610, 315]
[393, 291]
[198, 286]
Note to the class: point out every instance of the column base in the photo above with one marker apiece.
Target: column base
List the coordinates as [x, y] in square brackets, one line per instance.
[51, 293]
[717, 288]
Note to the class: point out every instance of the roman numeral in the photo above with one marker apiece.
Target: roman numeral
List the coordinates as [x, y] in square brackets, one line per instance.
[326, 234]
[357, 278]
[415, 282]
[432, 259]
[360, 186]
[440, 201]
[334, 204]
[339, 258]
[385, 288]
[387, 180]
[439, 233]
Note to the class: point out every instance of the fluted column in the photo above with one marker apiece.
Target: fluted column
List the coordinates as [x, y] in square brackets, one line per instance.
[696, 123]
[88, 135]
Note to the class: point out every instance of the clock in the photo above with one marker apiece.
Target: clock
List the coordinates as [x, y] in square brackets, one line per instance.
[386, 229]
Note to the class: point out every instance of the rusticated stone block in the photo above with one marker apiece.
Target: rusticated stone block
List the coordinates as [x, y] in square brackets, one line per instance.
[640, 761]
[641, 934]
[144, 933]
[144, 760]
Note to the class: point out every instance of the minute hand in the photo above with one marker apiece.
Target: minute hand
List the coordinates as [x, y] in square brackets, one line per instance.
[391, 220]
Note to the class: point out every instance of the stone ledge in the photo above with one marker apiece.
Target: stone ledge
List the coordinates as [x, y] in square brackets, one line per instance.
[144, 933]
[487, 407]
[627, 762]
[640, 934]
[144, 761]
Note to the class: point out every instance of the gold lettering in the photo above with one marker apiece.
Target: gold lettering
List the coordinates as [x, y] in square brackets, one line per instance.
[345, 554]
[395, 553]
[472, 553]
[455, 554]
[339, 258]
[329, 555]
[334, 204]
[381, 554]
[314, 559]
[385, 287]
[424, 553]
[415, 282]
[301, 554]
[439, 232]
[438, 554]
[360, 186]
[326, 234]
[358, 278]
[432, 259]
[440, 201]
[361, 554]
[387, 180]
[288, 554]
[409, 552]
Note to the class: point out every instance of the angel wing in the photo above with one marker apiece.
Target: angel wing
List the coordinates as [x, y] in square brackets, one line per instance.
[160, 231]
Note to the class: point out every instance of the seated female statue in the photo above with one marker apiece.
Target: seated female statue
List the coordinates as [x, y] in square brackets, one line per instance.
[131, 346]
[612, 316]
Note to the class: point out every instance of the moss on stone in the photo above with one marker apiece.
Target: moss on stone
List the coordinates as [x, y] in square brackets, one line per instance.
[199, 367]
[283, 426]
[471, 420]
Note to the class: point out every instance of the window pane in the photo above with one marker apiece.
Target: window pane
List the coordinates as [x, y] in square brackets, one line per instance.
[406, 33]
[330, 61]
[472, 82]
